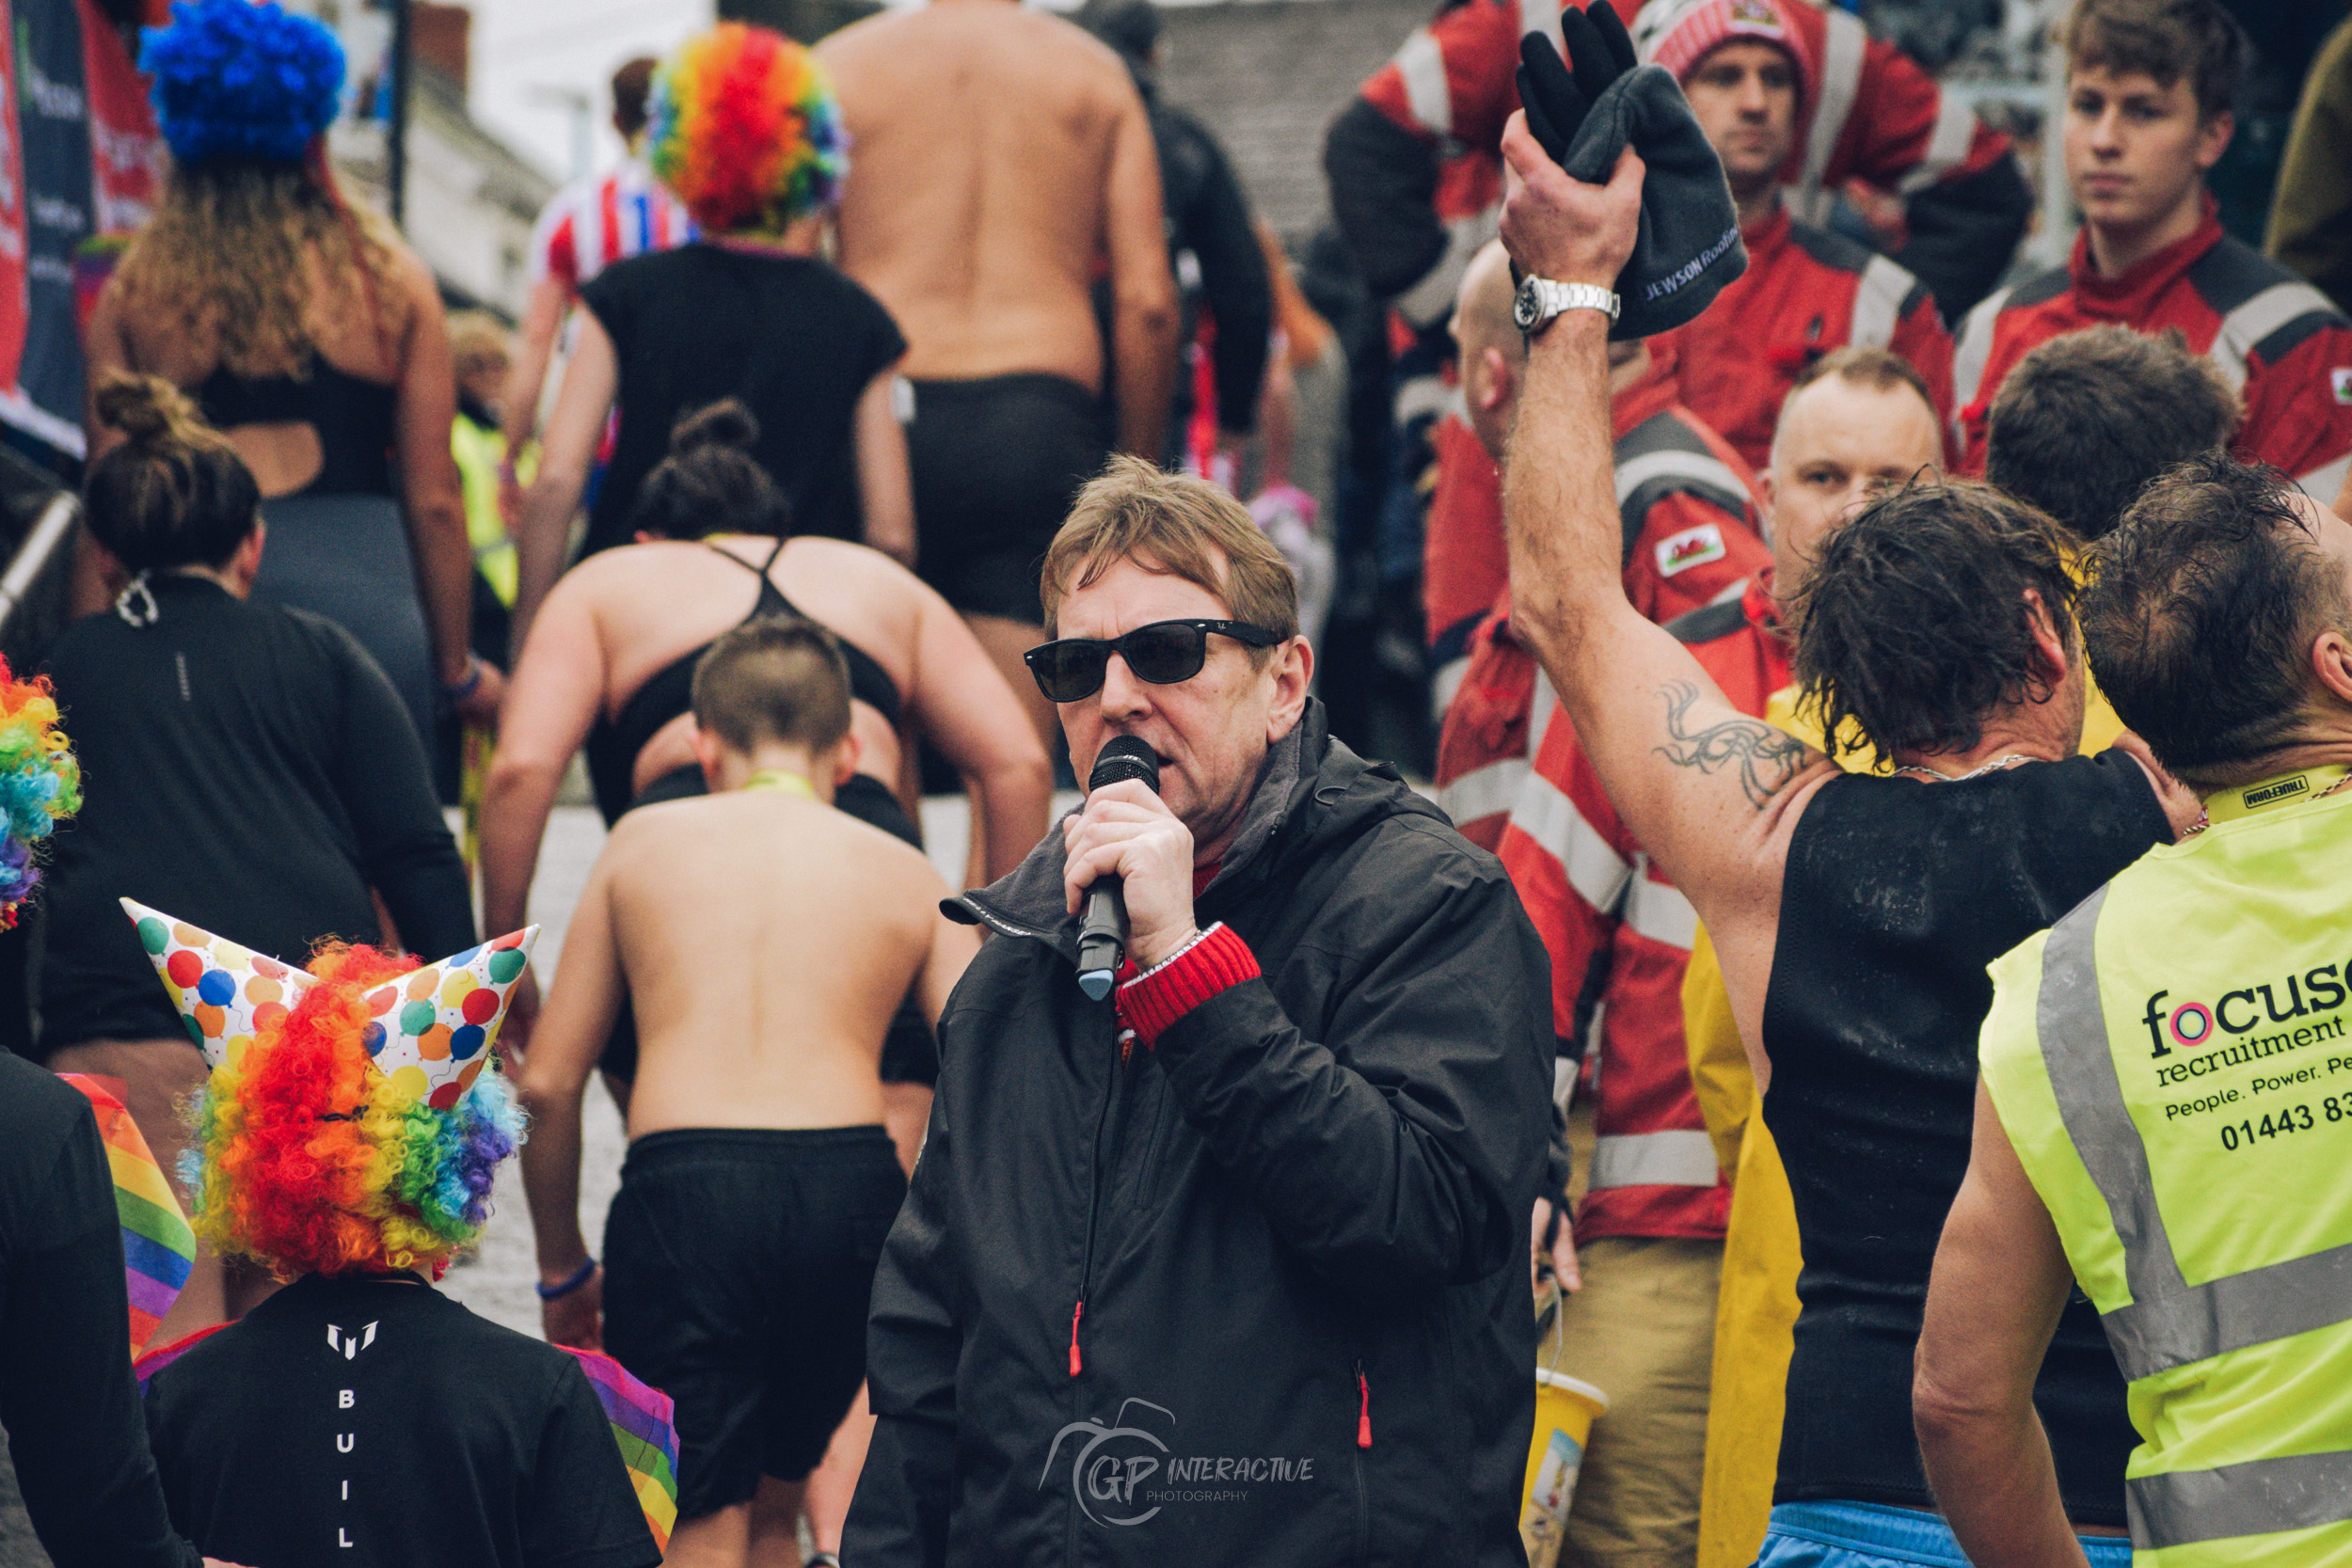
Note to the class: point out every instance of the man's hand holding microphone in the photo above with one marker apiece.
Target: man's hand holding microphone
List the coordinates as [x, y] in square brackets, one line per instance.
[1126, 833]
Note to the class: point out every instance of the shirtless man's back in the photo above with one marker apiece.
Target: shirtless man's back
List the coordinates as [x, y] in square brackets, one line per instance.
[999, 158]
[763, 938]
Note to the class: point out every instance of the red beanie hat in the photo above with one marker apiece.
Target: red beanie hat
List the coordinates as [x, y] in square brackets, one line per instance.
[1686, 33]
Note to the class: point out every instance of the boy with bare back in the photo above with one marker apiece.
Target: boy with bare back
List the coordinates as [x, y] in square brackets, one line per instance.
[1002, 154]
[763, 940]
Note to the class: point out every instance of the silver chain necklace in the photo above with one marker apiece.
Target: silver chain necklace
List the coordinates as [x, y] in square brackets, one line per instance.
[1993, 767]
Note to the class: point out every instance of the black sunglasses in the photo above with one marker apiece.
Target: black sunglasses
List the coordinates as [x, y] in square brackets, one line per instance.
[1070, 669]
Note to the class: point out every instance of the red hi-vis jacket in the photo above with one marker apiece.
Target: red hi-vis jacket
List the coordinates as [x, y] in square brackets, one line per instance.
[1619, 934]
[1878, 119]
[1690, 509]
[1463, 565]
[2272, 336]
[1806, 292]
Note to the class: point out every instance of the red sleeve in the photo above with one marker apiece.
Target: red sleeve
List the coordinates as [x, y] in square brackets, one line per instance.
[1569, 857]
[1926, 347]
[2298, 411]
[1455, 77]
[1903, 134]
[558, 257]
[1216, 960]
[1689, 553]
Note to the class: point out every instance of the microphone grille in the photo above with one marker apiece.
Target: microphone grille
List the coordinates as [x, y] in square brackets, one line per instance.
[1125, 757]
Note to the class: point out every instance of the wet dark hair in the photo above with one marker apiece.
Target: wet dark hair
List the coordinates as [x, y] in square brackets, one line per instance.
[175, 494]
[2086, 420]
[2201, 614]
[711, 482]
[1914, 624]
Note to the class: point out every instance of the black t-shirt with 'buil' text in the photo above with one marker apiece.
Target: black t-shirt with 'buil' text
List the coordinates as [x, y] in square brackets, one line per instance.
[371, 1422]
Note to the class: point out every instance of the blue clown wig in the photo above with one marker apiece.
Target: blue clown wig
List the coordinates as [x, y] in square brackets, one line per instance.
[237, 80]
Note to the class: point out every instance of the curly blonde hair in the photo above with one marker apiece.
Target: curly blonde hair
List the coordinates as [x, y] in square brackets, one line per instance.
[222, 259]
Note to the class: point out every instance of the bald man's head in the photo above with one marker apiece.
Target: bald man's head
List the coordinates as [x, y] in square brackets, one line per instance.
[1492, 350]
[1857, 419]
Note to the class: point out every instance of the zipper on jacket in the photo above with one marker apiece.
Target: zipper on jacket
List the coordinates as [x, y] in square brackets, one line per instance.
[1364, 1411]
[1094, 1201]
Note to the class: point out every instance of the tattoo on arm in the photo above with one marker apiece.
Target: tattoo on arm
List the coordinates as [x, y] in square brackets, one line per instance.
[1767, 759]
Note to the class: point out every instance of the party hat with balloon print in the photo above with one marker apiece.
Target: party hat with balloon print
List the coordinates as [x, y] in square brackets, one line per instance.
[428, 1031]
[224, 992]
[438, 1022]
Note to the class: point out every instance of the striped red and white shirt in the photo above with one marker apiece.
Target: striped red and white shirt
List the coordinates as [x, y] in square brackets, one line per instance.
[593, 223]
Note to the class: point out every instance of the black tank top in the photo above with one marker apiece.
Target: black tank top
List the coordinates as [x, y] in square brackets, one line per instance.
[613, 744]
[1898, 893]
[352, 415]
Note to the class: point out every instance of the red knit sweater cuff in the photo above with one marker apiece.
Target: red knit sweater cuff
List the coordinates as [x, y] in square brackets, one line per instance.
[1216, 960]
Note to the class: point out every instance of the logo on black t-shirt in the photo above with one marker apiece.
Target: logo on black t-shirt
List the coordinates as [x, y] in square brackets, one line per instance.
[349, 1343]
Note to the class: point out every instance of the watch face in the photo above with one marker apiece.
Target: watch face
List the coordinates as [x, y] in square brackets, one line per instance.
[1527, 307]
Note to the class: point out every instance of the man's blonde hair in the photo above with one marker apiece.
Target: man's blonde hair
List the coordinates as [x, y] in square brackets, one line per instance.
[1177, 525]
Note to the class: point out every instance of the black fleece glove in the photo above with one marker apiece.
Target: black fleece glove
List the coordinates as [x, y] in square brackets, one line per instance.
[1689, 244]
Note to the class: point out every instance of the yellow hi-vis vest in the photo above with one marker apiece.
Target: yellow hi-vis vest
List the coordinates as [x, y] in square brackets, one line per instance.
[2173, 1062]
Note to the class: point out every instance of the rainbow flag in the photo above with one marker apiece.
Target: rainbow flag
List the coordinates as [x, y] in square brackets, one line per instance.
[163, 1355]
[641, 1417]
[158, 1248]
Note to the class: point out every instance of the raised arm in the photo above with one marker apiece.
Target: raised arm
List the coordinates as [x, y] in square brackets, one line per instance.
[591, 378]
[583, 1003]
[1707, 789]
[1143, 291]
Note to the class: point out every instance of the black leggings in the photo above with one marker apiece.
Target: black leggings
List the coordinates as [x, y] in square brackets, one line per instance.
[909, 1054]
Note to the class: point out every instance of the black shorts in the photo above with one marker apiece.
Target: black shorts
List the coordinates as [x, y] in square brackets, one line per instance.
[909, 1054]
[996, 464]
[736, 1267]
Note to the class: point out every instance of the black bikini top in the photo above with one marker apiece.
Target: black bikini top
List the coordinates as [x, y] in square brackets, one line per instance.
[613, 746]
[352, 417]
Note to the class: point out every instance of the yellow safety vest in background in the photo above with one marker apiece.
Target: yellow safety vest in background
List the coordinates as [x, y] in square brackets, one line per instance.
[479, 450]
[2173, 1062]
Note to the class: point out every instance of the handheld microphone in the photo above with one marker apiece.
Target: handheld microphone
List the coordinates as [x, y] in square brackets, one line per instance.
[1102, 929]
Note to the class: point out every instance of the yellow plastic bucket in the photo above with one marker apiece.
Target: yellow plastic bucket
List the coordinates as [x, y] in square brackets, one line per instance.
[1566, 1409]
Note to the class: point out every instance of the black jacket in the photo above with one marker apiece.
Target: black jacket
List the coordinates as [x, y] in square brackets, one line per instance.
[1208, 214]
[1298, 1225]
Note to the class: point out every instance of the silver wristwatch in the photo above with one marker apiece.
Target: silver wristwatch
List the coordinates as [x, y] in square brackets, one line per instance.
[1539, 299]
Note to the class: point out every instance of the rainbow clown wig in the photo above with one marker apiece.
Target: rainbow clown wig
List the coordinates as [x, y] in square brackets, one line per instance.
[355, 1117]
[40, 782]
[743, 128]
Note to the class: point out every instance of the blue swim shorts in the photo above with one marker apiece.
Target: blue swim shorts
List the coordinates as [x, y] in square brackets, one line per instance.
[1869, 1535]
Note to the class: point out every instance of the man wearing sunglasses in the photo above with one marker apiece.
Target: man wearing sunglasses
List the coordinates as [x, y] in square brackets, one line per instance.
[1223, 1268]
